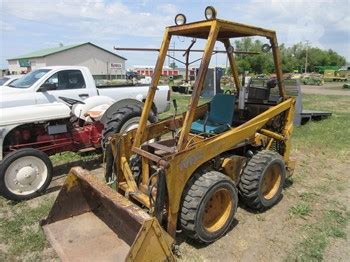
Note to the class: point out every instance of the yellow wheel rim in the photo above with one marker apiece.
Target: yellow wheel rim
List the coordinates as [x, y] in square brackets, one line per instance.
[271, 181]
[217, 210]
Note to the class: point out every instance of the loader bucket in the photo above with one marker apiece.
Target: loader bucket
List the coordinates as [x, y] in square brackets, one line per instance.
[89, 221]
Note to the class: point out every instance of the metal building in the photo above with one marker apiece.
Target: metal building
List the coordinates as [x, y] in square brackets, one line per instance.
[101, 62]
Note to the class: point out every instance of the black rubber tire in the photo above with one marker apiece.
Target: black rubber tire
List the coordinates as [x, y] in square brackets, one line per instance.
[120, 117]
[252, 178]
[199, 190]
[10, 158]
[135, 163]
[116, 125]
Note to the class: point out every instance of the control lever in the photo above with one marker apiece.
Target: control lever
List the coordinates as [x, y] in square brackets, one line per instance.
[174, 132]
[175, 107]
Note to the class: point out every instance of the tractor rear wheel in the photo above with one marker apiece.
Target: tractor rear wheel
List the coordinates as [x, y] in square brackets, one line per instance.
[123, 120]
[262, 180]
[209, 205]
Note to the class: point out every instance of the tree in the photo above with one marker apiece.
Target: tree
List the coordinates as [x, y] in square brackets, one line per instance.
[293, 58]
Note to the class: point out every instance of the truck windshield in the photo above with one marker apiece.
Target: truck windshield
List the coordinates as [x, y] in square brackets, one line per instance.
[29, 79]
[3, 80]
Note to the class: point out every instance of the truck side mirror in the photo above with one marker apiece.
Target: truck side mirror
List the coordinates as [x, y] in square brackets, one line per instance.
[47, 87]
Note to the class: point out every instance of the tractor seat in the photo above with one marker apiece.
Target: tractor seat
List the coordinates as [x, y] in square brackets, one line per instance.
[219, 118]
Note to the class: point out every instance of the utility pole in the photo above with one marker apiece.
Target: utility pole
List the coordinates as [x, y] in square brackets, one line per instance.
[306, 56]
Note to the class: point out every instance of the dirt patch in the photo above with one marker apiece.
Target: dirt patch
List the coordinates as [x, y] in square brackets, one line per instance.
[274, 235]
[339, 249]
[326, 89]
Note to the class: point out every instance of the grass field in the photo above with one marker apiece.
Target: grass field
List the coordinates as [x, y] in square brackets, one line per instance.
[311, 223]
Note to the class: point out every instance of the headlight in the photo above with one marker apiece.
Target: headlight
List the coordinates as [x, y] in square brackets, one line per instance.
[180, 19]
[265, 48]
[210, 13]
[230, 49]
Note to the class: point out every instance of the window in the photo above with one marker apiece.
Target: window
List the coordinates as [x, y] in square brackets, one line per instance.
[65, 80]
[3, 80]
[29, 79]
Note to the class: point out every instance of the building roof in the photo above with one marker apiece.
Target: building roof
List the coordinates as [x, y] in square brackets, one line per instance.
[54, 50]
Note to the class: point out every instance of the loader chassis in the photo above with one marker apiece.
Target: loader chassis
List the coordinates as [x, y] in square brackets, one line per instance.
[175, 166]
[180, 158]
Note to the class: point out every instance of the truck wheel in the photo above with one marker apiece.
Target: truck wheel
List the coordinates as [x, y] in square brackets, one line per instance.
[24, 174]
[209, 205]
[123, 120]
[262, 180]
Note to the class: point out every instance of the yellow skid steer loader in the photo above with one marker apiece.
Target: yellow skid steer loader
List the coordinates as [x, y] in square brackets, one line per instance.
[184, 172]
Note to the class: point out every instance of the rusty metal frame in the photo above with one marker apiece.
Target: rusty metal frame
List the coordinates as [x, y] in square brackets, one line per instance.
[138, 234]
[187, 157]
[186, 54]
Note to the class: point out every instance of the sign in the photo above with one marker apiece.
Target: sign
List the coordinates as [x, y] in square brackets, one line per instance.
[116, 66]
[24, 63]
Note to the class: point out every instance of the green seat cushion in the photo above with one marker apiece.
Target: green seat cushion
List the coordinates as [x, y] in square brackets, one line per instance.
[210, 128]
[220, 116]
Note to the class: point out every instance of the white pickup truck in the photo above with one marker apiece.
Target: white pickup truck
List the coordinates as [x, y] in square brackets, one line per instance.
[47, 84]
[8, 79]
[57, 109]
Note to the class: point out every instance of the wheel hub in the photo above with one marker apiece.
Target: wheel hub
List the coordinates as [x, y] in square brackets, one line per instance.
[217, 210]
[26, 175]
[271, 182]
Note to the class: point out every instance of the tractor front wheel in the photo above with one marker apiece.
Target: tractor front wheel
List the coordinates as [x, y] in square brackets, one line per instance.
[262, 180]
[209, 205]
[24, 174]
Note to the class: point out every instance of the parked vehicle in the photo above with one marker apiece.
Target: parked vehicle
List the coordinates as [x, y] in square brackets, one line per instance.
[47, 84]
[188, 182]
[334, 76]
[46, 114]
[8, 79]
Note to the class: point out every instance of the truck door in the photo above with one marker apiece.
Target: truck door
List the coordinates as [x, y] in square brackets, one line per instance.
[66, 83]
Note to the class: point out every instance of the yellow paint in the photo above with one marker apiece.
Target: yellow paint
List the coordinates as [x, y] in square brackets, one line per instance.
[71, 181]
[151, 244]
[271, 182]
[232, 167]
[217, 210]
[192, 150]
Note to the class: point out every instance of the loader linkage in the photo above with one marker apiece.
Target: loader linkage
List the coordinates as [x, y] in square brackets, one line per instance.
[184, 172]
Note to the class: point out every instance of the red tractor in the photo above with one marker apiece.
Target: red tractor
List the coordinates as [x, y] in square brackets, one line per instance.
[26, 170]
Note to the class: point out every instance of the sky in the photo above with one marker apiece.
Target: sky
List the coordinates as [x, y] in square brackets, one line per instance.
[30, 25]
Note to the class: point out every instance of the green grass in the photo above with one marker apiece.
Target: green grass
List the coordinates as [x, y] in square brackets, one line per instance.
[332, 103]
[331, 223]
[318, 235]
[300, 209]
[328, 138]
[308, 196]
[182, 104]
[329, 135]
[66, 157]
[20, 230]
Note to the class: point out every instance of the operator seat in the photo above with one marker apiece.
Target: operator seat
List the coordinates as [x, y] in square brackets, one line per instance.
[219, 117]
